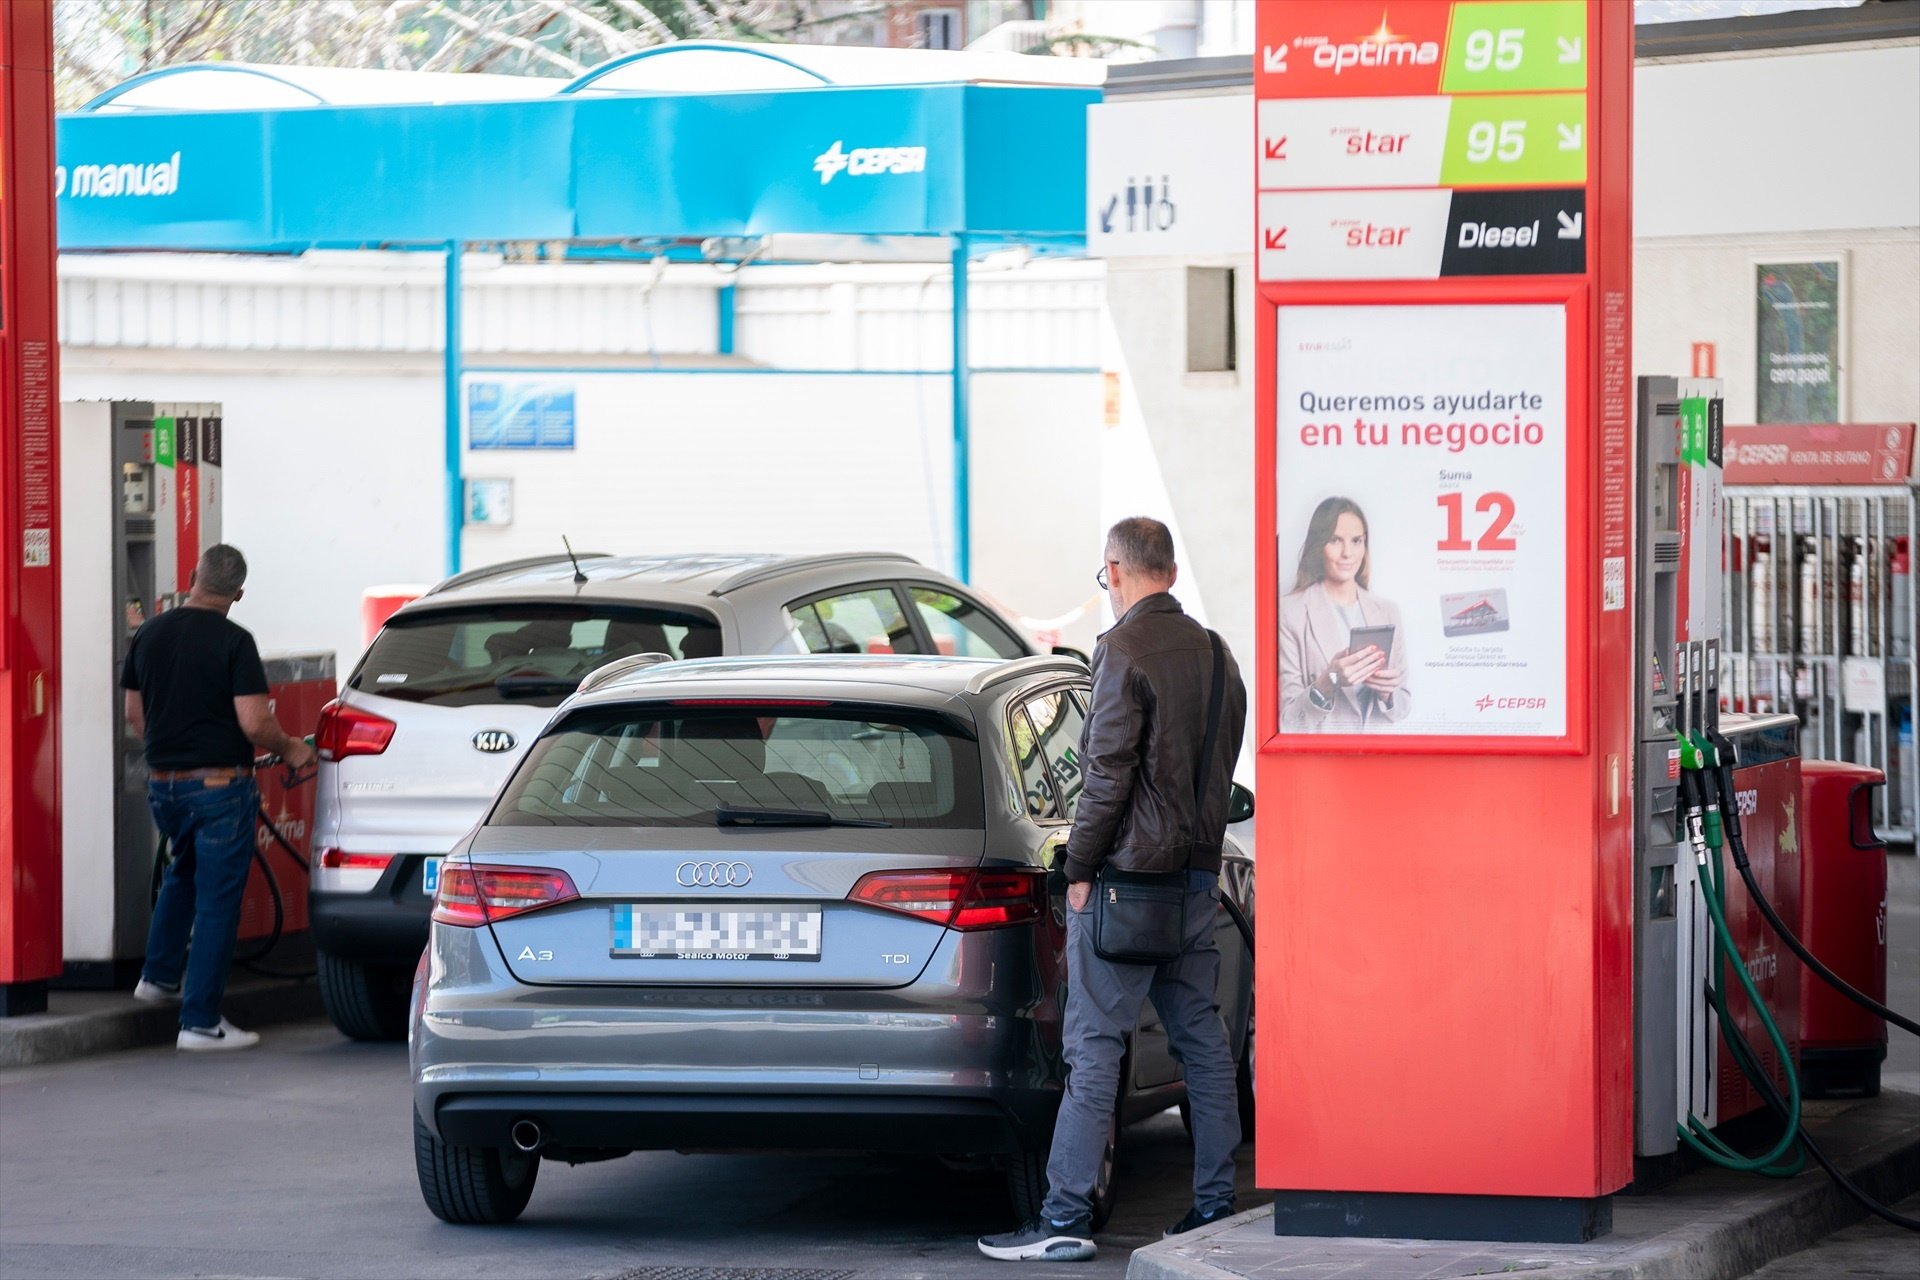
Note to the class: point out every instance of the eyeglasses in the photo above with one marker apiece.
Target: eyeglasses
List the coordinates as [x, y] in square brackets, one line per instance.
[1101, 578]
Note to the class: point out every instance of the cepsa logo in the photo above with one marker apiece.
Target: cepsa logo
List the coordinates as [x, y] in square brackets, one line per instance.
[863, 162]
[1490, 702]
[1399, 55]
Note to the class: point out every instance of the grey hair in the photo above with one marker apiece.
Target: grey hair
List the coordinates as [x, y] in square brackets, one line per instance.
[1142, 545]
[222, 571]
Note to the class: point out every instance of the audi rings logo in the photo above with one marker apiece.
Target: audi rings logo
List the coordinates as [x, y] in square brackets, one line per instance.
[493, 741]
[713, 875]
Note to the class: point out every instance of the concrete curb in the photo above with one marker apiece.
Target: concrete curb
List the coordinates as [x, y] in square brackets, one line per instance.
[1708, 1226]
[82, 1023]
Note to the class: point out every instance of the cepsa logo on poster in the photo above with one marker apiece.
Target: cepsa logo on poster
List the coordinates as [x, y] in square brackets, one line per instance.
[1327, 57]
[1489, 702]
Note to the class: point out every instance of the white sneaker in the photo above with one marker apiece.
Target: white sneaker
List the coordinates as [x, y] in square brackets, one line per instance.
[154, 993]
[220, 1039]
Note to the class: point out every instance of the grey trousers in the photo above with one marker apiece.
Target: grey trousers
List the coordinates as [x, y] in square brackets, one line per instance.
[1103, 1006]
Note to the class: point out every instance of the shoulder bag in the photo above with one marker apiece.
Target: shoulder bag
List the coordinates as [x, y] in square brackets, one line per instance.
[1140, 917]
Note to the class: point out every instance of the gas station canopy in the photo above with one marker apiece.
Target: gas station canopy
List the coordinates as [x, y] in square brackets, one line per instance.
[343, 160]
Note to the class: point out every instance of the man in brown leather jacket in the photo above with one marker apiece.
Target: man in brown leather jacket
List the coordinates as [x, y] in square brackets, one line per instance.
[1152, 673]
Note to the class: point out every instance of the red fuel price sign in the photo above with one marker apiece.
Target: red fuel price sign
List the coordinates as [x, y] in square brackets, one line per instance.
[1442, 501]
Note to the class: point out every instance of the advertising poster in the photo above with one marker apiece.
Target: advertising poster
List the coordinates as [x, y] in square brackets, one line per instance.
[1422, 522]
[1797, 305]
[520, 415]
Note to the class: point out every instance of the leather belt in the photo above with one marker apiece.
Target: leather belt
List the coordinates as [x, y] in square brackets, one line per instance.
[216, 775]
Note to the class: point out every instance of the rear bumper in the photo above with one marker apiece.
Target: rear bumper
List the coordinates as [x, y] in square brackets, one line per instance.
[909, 1124]
[384, 925]
[965, 1061]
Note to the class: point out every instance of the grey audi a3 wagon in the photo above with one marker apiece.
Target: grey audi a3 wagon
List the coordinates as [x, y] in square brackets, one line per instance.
[797, 903]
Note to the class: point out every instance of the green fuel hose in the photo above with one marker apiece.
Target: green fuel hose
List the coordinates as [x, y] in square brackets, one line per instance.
[1696, 787]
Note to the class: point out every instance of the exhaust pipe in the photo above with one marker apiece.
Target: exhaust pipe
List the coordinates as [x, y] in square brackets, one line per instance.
[527, 1135]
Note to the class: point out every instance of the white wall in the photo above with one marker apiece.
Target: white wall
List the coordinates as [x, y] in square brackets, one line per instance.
[332, 483]
[718, 461]
[1816, 141]
[1183, 448]
[768, 461]
[1037, 498]
[1701, 289]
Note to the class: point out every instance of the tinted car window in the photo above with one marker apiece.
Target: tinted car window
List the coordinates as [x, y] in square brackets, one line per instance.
[961, 628]
[524, 653]
[1056, 724]
[1035, 785]
[865, 621]
[639, 766]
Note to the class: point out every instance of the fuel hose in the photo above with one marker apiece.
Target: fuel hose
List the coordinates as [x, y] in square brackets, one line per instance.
[163, 859]
[1724, 778]
[1698, 765]
[1713, 761]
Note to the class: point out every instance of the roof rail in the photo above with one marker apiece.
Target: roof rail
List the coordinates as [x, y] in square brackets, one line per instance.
[1020, 668]
[619, 667]
[760, 573]
[481, 574]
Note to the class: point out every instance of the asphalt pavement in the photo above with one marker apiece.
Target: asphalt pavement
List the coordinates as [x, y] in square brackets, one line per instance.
[295, 1159]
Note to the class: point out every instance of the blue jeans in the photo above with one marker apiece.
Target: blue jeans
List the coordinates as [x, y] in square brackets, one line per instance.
[1103, 1006]
[211, 830]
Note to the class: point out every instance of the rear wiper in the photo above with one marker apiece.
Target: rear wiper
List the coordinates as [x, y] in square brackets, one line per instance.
[729, 815]
[534, 686]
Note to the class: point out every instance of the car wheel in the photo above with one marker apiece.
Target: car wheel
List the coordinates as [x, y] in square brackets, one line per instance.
[365, 1001]
[1026, 1174]
[1103, 1196]
[472, 1184]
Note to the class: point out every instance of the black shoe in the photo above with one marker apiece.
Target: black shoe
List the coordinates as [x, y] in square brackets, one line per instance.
[1040, 1240]
[1196, 1219]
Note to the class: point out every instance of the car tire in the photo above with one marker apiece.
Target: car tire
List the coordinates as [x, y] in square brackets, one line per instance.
[365, 1001]
[472, 1185]
[1027, 1176]
[1103, 1187]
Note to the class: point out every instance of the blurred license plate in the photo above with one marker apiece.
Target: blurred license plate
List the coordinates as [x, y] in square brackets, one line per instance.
[698, 932]
[430, 878]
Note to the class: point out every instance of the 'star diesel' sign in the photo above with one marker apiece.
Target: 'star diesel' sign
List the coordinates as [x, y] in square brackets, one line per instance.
[1424, 141]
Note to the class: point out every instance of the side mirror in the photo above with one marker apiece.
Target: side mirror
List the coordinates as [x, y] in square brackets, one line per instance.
[1239, 804]
[1068, 651]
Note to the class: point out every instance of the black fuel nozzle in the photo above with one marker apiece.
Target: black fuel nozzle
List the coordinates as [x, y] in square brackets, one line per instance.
[1729, 804]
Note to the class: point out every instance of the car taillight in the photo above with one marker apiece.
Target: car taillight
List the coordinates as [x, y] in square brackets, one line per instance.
[471, 896]
[341, 860]
[983, 899]
[348, 731]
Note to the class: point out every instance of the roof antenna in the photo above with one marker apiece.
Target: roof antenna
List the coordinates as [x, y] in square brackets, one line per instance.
[578, 577]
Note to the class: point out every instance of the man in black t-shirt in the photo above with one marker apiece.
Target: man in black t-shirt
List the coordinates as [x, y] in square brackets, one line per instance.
[197, 695]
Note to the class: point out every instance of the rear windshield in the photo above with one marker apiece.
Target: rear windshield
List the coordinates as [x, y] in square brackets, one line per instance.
[522, 653]
[674, 766]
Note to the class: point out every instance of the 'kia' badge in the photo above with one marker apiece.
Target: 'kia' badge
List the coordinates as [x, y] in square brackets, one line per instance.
[493, 741]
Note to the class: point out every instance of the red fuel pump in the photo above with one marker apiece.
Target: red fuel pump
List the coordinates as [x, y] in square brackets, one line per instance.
[30, 888]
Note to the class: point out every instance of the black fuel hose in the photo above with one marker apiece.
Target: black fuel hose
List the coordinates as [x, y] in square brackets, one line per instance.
[1240, 920]
[1735, 841]
[1744, 1057]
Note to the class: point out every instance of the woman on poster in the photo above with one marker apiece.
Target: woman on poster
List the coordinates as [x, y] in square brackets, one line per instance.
[1328, 682]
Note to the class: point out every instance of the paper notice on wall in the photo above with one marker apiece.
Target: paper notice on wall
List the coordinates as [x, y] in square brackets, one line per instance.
[1863, 685]
[1422, 480]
